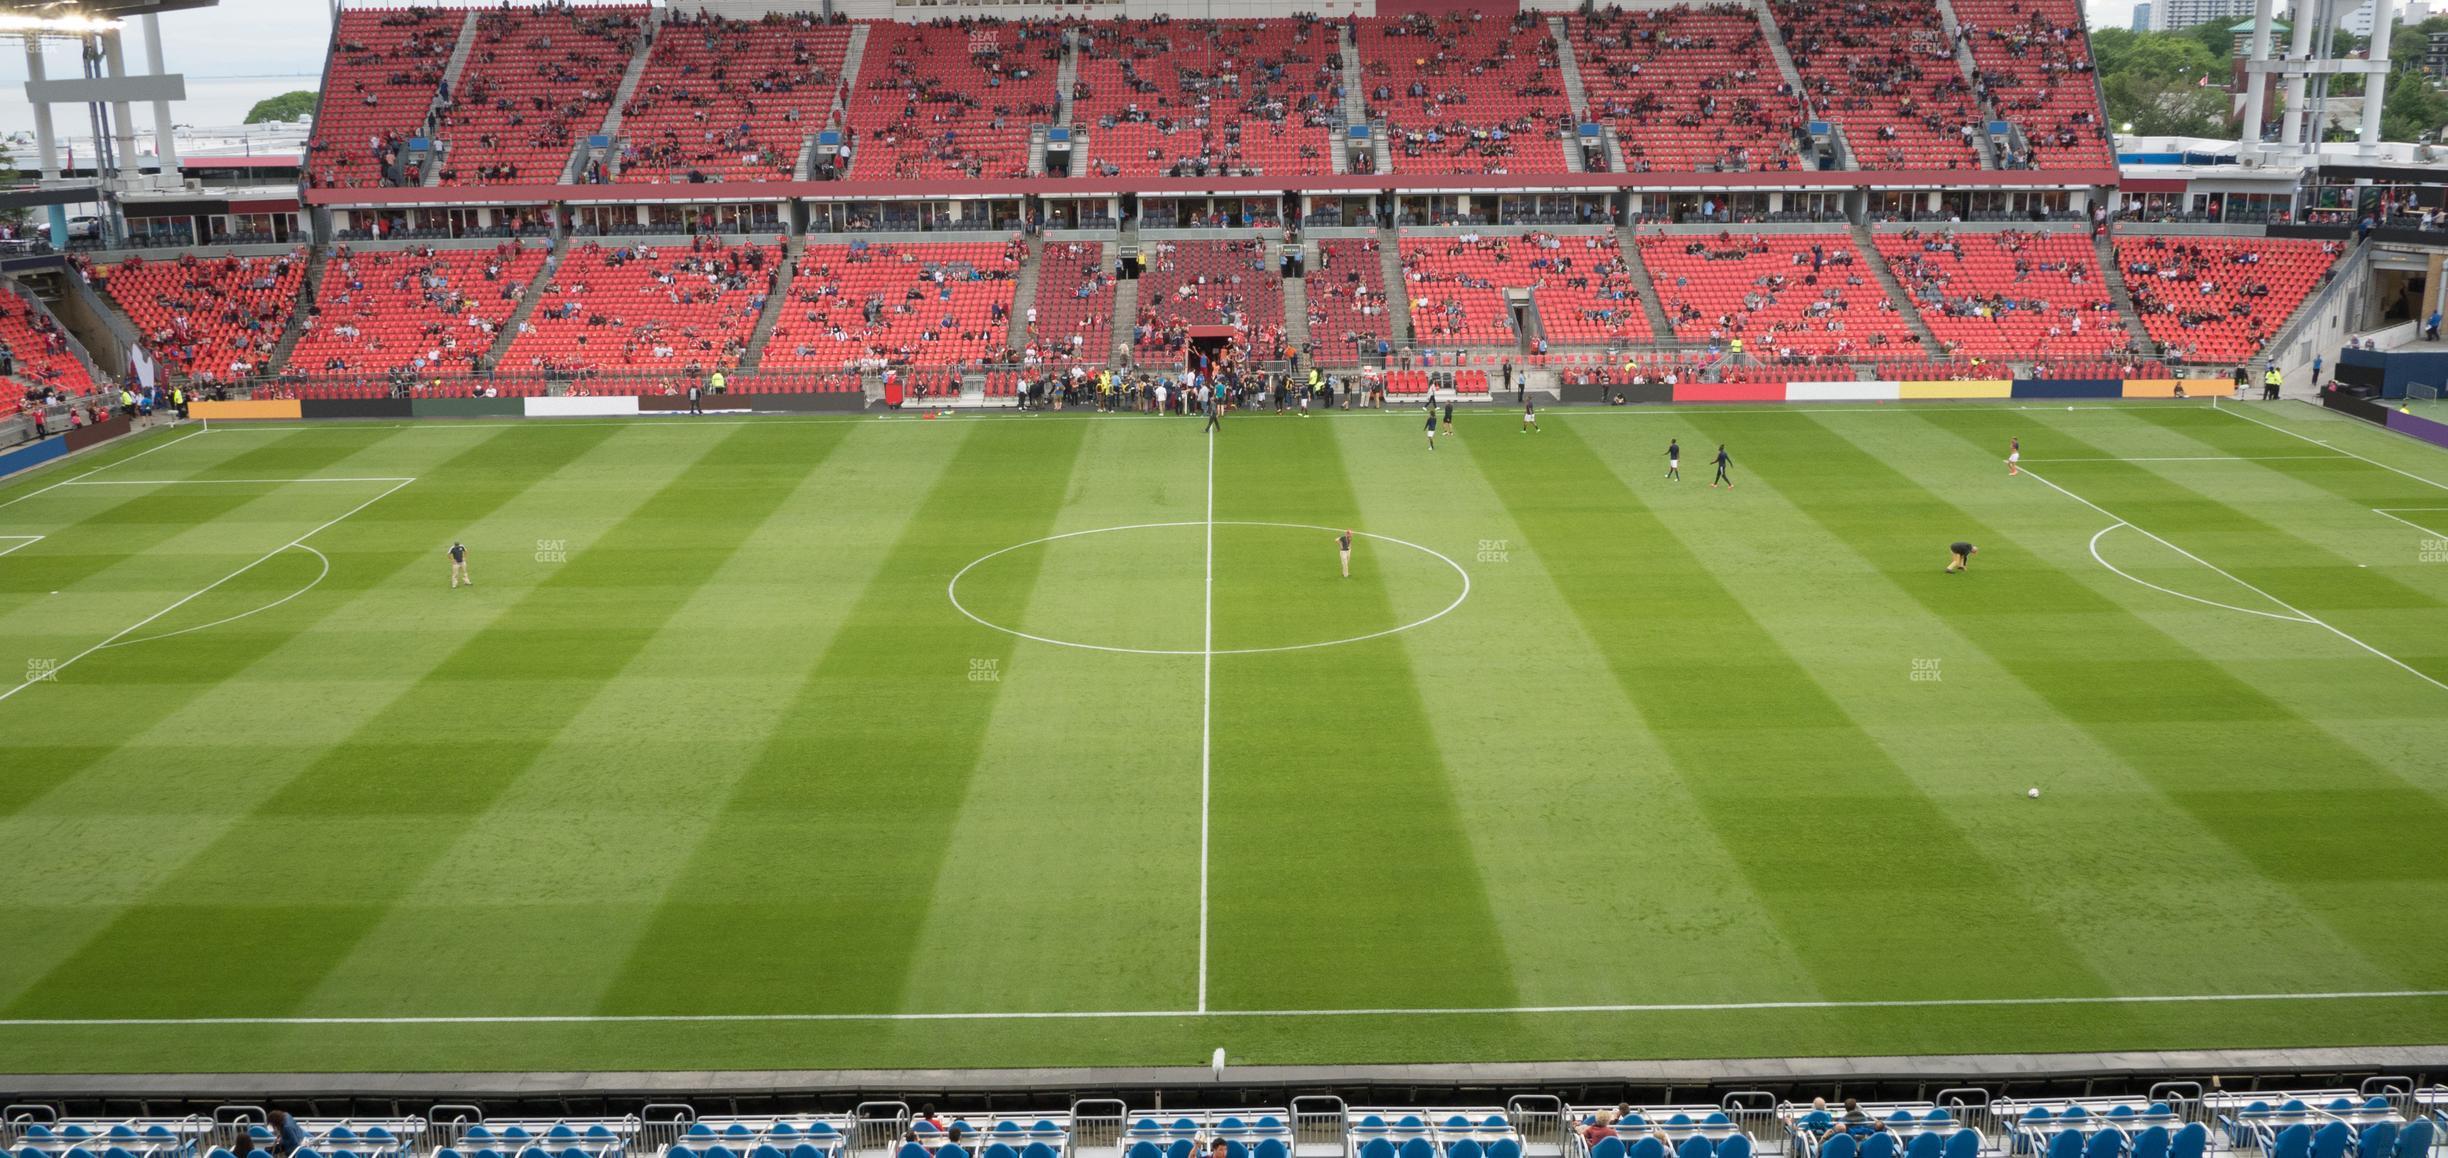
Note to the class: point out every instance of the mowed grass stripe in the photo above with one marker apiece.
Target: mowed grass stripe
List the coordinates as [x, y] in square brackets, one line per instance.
[1842, 566]
[131, 826]
[1607, 882]
[2301, 806]
[1082, 813]
[1342, 873]
[321, 859]
[1827, 830]
[538, 898]
[810, 891]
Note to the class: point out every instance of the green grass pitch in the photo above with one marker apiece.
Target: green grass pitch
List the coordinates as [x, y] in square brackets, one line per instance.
[717, 767]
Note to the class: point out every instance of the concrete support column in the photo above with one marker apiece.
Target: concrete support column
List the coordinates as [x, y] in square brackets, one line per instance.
[165, 137]
[46, 142]
[123, 120]
[2375, 85]
[2248, 138]
[2291, 130]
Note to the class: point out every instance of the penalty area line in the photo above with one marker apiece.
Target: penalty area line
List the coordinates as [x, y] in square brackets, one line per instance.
[1142, 1014]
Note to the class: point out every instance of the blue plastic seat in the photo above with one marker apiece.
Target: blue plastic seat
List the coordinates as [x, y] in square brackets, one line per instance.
[1266, 1148]
[1938, 1114]
[2414, 1140]
[2293, 1142]
[1880, 1145]
[2151, 1143]
[1607, 1147]
[1900, 1118]
[2376, 1140]
[2105, 1144]
[2074, 1114]
[1411, 1148]
[1377, 1148]
[1037, 1150]
[1962, 1144]
[2330, 1141]
[1923, 1145]
[910, 1150]
[2120, 1114]
[1008, 1128]
[719, 1150]
[998, 1150]
[2065, 1144]
[2190, 1140]
[1145, 1149]
[1696, 1146]
[1840, 1146]
[1178, 1148]
[1501, 1148]
[1045, 1128]
[1466, 1148]
[1736, 1145]
[1457, 1122]
[804, 1150]
[951, 1150]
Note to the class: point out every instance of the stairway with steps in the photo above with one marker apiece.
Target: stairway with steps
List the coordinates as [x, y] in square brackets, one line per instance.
[1389, 265]
[777, 301]
[1295, 299]
[1570, 65]
[1867, 247]
[526, 307]
[1776, 44]
[1660, 329]
[1024, 295]
[2113, 276]
[1982, 143]
[1125, 317]
[1385, 148]
[450, 84]
[317, 259]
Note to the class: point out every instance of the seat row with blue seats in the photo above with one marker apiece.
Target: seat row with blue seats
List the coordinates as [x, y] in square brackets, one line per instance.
[1186, 1148]
[1420, 1147]
[2334, 1139]
[2093, 1139]
[1958, 1143]
[761, 1150]
[1692, 1146]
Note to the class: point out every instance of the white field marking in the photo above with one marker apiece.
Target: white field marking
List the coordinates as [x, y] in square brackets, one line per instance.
[2320, 442]
[952, 591]
[2383, 512]
[183, 482]
[311, 584]
[1206, 721]
[22, 542]
[2103, 561]
[132, 628]
[1120, 1014]
[99, 469]
[2307, 617]
[2197, 458]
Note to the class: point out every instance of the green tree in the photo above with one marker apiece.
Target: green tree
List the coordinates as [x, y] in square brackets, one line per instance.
[2153, 81]
[2413, 108]
[288, 106]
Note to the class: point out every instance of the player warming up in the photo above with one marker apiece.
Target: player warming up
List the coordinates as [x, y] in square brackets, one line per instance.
[1343, 545]
[1674, 459]
[2014, 456]
[1432, 417]
[1724, 460]
[1959, 557]
[1529, 414]
[458, 558]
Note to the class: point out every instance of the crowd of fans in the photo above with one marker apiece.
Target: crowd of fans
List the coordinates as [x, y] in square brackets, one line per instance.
[1195, 97]
[952, 99]
[1463, 92]
[1208, 283]
[731, 99]
[1688, 88]
[209, 319]
[536, 81]
[2033, 66]
[1885, 70]
[387, 67]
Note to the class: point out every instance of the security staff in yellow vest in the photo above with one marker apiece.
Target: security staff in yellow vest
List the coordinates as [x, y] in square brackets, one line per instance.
[2270, 382]
[1735, 347]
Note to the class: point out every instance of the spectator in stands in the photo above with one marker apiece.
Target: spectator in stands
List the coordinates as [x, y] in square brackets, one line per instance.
[287, 1135]
[2431, 326]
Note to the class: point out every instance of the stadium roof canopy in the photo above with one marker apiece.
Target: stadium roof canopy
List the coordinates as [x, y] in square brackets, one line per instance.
[98, 9]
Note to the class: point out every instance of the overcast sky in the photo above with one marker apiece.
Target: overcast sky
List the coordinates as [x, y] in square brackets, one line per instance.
[245, 50]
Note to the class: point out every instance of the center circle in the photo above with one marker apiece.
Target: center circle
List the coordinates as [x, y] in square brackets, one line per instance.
[1164, 589]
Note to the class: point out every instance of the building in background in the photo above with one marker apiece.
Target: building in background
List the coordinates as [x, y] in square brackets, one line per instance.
[2142, 16]
[2170, 15]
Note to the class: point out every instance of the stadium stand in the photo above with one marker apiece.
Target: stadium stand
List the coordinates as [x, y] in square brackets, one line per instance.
[2035, 66]
[1075, 303]
[2013, 294]
[1348, 306]
[1581, 289]
[1194, 97]
[209, 319]
[2180, 1120]
[384, 77]
[1207, 283]
[418, 310]
[1466, 92]
[1883, 69]
[730, 100]
[1688, 89]
[39, 350]
[537, 81]
[957, 100]
[1788, 296]
[861, 304]
[647, 309]
[2216, 299]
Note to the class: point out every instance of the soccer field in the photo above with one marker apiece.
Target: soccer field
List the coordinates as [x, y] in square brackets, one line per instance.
[1059, 740]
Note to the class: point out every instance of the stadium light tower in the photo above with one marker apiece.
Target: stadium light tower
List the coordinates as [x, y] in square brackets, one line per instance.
[2304, 59]
[107, 89]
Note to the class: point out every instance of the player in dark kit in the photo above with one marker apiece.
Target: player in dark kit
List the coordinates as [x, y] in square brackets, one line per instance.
[1343, 544]
[1529, 414]
[1432, 416]
[1674, 459]
[1724, 460]
[1449, 418]
[1215, 412]
[459, 571]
